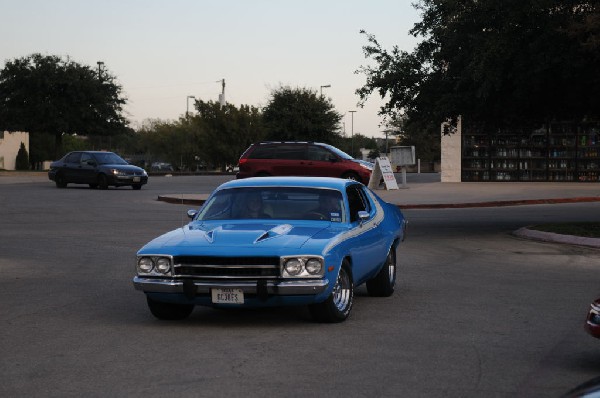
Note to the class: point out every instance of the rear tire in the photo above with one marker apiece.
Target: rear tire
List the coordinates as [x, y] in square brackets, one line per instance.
[169, 311]
[263, 174]
[339, 303]
[384, 283]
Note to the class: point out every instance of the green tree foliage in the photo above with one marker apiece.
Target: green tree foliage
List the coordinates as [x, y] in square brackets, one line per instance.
[22, 161]
[48, 94]
[172, 142]
[500, 62]
[225, 132]
[352, 145]
[301, 115]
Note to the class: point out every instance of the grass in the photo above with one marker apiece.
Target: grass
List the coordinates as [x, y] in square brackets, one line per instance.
[584, 229]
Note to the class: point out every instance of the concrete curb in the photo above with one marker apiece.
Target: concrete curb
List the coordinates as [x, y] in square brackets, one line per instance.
[532, 234]
[526, 233]
[198, 200]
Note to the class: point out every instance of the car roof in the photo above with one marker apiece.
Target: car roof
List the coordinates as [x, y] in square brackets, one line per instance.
[304, 182]
[288, 142]
[93, 152]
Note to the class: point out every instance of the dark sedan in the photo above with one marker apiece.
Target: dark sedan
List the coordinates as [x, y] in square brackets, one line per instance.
[98, 169]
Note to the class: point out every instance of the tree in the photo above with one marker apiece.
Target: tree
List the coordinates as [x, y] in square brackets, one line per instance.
[48, 94]
[225, 132]
[172, 142]
[22, 161]
[499, 62]
[301, 115]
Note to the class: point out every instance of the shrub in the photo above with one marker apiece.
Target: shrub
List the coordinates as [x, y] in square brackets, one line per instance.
[22, 162]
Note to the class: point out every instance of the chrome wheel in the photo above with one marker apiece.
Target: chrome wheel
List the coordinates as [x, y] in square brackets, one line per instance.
[342, 292]
[337, 306]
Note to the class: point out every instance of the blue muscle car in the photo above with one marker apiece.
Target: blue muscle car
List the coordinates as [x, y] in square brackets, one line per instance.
[272, 242]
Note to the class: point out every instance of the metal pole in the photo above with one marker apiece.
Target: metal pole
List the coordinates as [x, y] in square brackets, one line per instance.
[187, 105]
[352, 137]
[322, 87]
[100, 65]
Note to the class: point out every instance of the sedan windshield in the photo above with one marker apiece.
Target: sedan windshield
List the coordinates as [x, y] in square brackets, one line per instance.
[109, 158]
[286, 203]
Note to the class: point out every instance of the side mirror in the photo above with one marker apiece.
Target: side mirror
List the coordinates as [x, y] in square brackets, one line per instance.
[363, 216]
[192, 213]
[333, 159]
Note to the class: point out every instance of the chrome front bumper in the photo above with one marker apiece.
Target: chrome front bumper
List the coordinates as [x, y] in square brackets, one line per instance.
[283, 288]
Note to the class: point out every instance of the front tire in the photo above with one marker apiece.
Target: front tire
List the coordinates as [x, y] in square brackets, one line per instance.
[169, 311]
[59, 180]
[384, 283]
[339, 303]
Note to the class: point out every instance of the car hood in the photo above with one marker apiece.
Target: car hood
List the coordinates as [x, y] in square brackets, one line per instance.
[124, 167]
[368, 165]
[236, 236]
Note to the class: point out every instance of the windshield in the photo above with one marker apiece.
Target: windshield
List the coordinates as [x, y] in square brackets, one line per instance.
[338, 152]
[109, 158]
[287, 203]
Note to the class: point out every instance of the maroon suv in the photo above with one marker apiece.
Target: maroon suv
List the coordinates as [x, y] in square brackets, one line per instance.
[301, 159]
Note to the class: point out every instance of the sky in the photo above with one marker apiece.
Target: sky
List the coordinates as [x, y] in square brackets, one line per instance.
[161, 52]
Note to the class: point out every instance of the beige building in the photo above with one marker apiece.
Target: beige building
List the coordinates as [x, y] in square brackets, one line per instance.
[10, 142]
[451, 154]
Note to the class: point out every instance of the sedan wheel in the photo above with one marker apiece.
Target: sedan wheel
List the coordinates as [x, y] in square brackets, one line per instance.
[384, 283]
[339, 303]
[60, 181]
[169, 311]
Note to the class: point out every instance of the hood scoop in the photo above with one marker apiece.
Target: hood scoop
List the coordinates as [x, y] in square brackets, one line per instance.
[279, 230]
[210, 235]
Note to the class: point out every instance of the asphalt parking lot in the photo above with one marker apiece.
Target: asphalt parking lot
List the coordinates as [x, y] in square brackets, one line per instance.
[478, 311]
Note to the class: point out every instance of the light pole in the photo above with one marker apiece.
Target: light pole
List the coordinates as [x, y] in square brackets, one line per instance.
[100, 65]
[387, 131]
[322, 87]
[187, 103]
[352, 137]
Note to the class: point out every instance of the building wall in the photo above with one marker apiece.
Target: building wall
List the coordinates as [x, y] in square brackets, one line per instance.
[10, 142]
[451, 155]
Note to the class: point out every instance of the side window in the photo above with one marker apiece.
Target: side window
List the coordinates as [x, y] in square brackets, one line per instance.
[291, 152]
[85, 158]
[356, 201]
[73, 157]
[263, 152]
[319, 154]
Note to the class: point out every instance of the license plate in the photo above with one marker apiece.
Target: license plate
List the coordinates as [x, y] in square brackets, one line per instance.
[136, 179]
[227, 296]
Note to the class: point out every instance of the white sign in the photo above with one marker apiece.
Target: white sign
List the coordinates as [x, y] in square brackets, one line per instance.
[383, 169]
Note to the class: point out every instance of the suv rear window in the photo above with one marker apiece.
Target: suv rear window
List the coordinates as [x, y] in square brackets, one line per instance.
[263, 152]
[281, 151]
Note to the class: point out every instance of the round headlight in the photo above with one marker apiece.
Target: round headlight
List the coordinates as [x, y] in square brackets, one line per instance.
[145, 264]
[313, 266]
[293, 267]
[163, 265]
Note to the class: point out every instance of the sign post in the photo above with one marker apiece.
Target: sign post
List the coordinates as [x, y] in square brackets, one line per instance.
[383, 169]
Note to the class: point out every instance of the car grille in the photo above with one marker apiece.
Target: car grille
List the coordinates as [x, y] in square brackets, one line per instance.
[226, 267]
